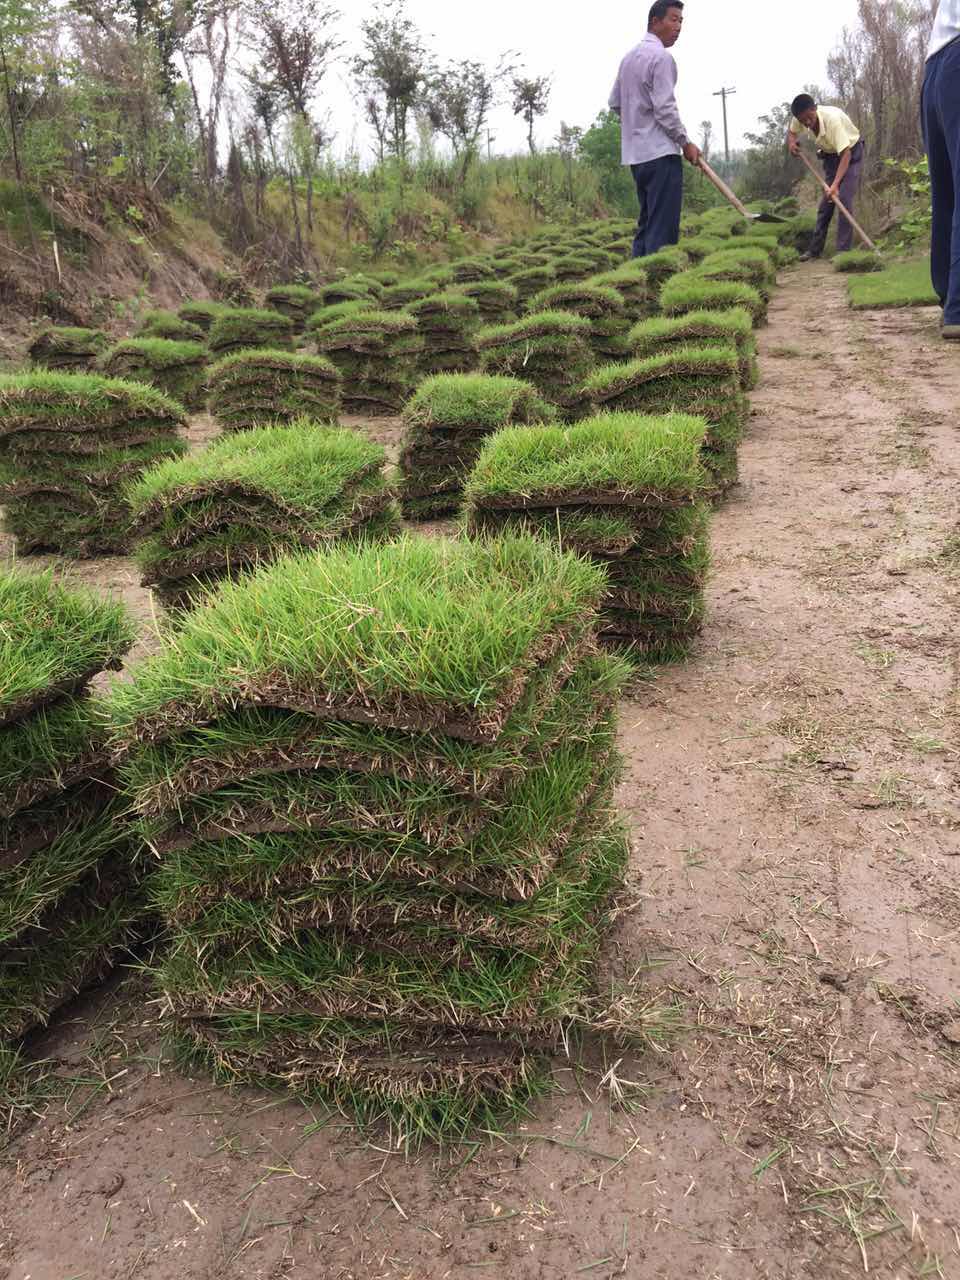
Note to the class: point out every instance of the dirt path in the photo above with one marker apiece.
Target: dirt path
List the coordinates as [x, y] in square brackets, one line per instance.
[794, 793]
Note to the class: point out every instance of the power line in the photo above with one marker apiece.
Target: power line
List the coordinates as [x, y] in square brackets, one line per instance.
[725, 94]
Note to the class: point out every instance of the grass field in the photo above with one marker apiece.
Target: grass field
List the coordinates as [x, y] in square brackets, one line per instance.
[904, 284]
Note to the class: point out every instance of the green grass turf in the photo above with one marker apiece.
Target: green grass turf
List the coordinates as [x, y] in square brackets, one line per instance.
[420, 633]
[690, 373]
[434, 1086]
[338, 311]
[662, 265]
[902, 284]
[857, 261]
[167, 324]
[81, 403]
[53, 639]
[30, 889]
[487, 990]
[454, 402]
[511, 859]
[72, 946]
[633, 459]
[439, 811]
[491, 295]
[691, 292]
[733, 328]
[47, 751]
[246, 743]
[586, 299]
[202, 312]
[249, 388]
[367, 331]
[443, 311]
[294, 297]
[240, 327]
[697, 247]
[62, 345]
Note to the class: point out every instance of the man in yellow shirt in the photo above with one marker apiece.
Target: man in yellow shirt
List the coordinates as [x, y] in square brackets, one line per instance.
[840, 147]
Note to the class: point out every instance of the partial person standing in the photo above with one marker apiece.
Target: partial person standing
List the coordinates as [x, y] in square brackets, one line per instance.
[940, 116]
[652, 136]
[840, 147]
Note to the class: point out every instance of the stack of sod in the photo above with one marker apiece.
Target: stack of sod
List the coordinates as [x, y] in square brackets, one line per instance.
[174, 367]
[623, 489]
[531, 280]
[377, 354]
[380, 783]
[857, 260]
[573, 267]
[602, 306]
[164, 324]
[253, 496]
[497, 300]
[69, 893]
[689, 291]
[731, 329]
[202, 313]
[353, 290]
[703, 381]
[398, 296]
[779, 255]
[336, 311]
[295, 301]
[741, 266]
[697, 247]
[660, 267]
[254, 388]
[470, 270]
[68, 444]
[550, 349]
[446, 423]
[631, 282]
[246, 327]
[447, 323]
[67, 349]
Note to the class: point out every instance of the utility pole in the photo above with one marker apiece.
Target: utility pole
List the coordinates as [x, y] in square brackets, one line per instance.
[725, 94]
[491, 139]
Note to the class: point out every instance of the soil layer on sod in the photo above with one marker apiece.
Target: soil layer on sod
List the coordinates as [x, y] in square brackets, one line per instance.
[255, 388]
[628, 491]
[253, 496]
[234, 329]
[68, 443]
[445, 424]
[69, 895]
[602, 305]
[167, 324]
[447, 843]
[295, 301]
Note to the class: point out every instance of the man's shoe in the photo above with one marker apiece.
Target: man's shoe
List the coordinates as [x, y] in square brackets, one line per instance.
[809, 257]
[950, 332]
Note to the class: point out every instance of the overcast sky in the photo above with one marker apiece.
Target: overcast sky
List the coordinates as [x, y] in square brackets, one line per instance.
[756, 49]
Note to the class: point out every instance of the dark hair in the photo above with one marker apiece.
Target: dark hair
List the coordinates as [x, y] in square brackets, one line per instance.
[802, 102]
[660, 10]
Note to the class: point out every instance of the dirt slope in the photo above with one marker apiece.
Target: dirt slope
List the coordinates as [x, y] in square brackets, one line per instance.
[794, 794]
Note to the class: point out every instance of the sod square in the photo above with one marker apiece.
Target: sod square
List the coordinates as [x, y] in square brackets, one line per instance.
[176, 367]
[731, 329]
[690, 291]
[67, 348]
[256, 388]
[241, 327]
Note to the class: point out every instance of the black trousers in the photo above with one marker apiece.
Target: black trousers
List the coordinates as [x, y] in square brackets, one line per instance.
[660, 192]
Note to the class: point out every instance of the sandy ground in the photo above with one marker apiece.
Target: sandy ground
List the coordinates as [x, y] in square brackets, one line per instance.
[793, 792]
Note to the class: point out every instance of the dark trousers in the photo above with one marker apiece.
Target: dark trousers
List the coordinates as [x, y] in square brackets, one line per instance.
[848, 194]
[660, 192]
[940, 115]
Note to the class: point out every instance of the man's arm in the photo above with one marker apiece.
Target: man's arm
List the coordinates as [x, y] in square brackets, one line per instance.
[842, 167]
[614, 100]
[665, 111]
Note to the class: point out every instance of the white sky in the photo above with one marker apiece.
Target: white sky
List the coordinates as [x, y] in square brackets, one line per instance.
[768, 52]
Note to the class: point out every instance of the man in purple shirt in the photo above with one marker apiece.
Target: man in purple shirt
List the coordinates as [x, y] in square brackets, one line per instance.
[652, 134]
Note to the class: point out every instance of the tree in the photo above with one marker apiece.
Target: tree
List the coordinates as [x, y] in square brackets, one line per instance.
[219, 29]
[877, 72]
[458, 102]
[600, 147]
[706, 137]
[391, 72]
[297, 43]
[770, 171]
[531, 97]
